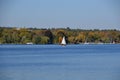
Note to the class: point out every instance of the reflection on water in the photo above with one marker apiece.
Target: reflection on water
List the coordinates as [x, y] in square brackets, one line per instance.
[54, 62]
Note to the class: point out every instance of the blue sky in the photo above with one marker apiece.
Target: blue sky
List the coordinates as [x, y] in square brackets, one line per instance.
[85, 14]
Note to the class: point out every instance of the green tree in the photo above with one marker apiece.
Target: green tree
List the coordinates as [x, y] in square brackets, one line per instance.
[36, 40]
[25, 36]
[44, 40]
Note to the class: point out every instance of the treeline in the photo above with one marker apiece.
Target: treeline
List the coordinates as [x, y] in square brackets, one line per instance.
[10, 35]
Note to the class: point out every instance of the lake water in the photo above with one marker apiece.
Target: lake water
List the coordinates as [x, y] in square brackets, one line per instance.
[55, 62]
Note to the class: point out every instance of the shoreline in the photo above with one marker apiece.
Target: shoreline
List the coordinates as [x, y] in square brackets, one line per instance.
[66, 44]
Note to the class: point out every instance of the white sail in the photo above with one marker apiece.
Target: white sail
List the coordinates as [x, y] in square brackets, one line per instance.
[63, 41]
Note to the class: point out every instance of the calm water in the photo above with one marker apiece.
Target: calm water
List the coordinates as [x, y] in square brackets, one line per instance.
[55, 62]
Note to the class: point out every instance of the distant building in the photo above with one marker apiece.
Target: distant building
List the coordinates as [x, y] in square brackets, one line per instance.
[29, 43]
[17, 28]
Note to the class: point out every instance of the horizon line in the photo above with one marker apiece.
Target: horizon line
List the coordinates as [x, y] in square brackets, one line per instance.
[60, 28]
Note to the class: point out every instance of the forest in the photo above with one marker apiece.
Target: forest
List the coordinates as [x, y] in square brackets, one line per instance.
[14, 35]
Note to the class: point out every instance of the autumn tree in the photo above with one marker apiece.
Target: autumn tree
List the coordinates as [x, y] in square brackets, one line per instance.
[60, 34]
[49, 34]
[54, 36]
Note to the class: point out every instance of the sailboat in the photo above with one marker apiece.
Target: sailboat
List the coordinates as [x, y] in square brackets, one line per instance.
[63, 41]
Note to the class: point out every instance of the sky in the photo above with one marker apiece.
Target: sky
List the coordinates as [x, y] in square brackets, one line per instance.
[82, 14]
